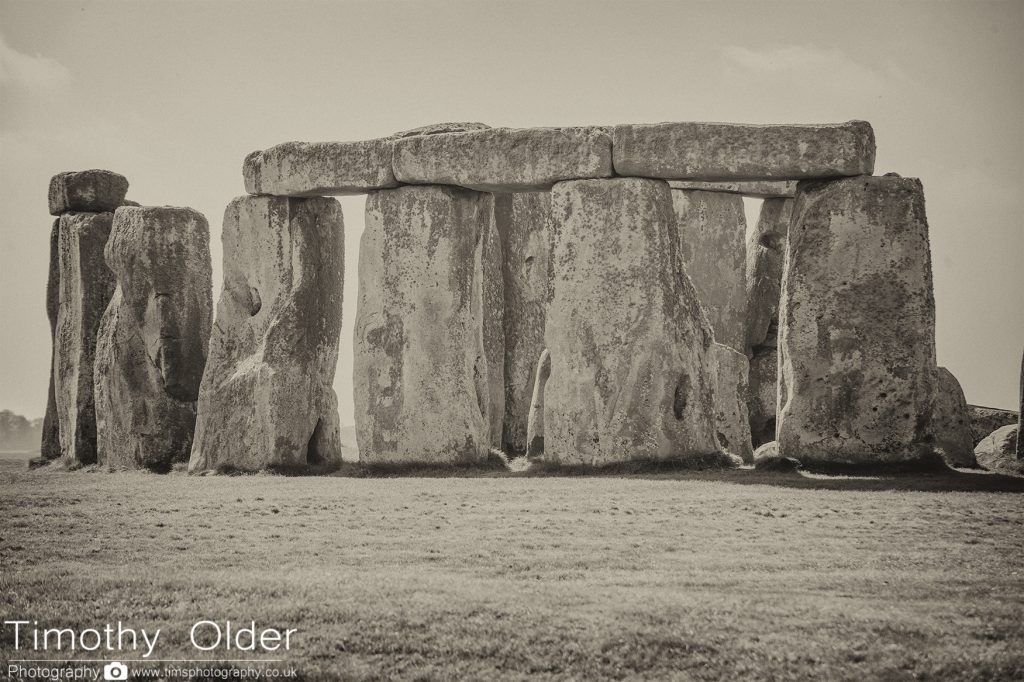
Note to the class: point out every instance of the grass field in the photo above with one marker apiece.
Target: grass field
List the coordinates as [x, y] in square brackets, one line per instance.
[715, 575]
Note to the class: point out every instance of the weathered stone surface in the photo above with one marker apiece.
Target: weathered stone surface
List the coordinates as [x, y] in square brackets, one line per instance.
[49, 448]
[767, 450]
[266, 398]
[526, 243]
[504, 159]
[765, 253]
[733, 151]
[731, 417]
[535, 424]
[712, 231]
[857, 346]
[422, 380]
[86, 285]
[998, 451]
[985, 420]
[437, 128]
[951, 422]
[764, 189]
[631, 377]
[312, 169]
[93, 191]
[763, 395]
[151, 344]
[492, 296]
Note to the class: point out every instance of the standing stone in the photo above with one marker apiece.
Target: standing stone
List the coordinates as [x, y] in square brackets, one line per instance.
[90, 191]
[766, 253]
[763, 395]
[535, 424]
[266, 398]
[631, 377]
[492, 297]
[86, 285]
[951, 421]
[731, 417]
[151, 345]
[712, 232]
[49, 448]
[857, 346]
[527, 246]
[422, 380]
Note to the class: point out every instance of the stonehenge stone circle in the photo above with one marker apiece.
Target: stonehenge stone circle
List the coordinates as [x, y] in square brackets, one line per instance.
[535, 424]
[266, 397]
[857, 334]
[731, 417]
[90, 191]
[86, 285]
[504, 159]
[951, 421]
[764, 189]
[151, 343]
[732, 151]
[631, 372]
[712, 231]
[311, 169]
[49, 447]
[424, 382]
[526, 242]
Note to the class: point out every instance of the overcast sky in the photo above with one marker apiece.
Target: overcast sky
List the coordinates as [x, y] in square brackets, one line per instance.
[173, 95]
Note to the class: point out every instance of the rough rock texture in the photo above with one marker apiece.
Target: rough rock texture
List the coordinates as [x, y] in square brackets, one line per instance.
[92, 191]
[526, 242]
[436, 128]
[766, 253]
[998, 451]
[151, 345]
[312, 169]
[535, 425]
[766, 451]
[733, 151]
[951, 421]
[266, 398]
[764, 189]
[712, 231]
[504, 159]
[492, 296]
[731, 418]
[86, 285]
[422, 381]
[763, 395]
[49, 446]
[631, 377]
[857, 344]
[985, 420]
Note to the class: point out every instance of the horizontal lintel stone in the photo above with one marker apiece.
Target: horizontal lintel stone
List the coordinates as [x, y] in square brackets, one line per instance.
[89, 191]
[310, 169]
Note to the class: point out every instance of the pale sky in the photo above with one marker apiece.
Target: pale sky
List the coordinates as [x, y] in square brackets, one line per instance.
[173, 95]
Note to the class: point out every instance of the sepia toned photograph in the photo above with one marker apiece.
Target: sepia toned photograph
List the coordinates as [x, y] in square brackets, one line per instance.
[512, 340]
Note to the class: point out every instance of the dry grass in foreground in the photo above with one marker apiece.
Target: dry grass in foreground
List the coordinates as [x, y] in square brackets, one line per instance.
[713, 575]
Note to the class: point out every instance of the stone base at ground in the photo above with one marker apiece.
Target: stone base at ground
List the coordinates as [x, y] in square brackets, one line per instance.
[951, 421]
[731, 417]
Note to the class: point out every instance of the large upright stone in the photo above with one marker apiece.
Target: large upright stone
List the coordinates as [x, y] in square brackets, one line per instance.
[736, 151]
[312, 169]
[266, 398]
[152, 341]
[91, 191]
[763, 395]
[504, 159]
[731, 417]
[712, 231]
[424, 382]
[631, 377]
[766, 253]
[86, 285]
[951, 421]
[857, 344]
[527, 246]
[49, 446]
[535, 423]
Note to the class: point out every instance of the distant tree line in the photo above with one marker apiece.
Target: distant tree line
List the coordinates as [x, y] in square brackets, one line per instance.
[18, 434]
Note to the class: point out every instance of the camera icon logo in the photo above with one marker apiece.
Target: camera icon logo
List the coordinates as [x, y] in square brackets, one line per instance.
[115, 671]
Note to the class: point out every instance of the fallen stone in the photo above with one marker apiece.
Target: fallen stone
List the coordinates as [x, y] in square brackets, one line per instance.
[712, 231]
[504, 159]
[765, 189]
[631, 372]
[313, 169]
[535, 426]
[765, 254]
[731, 417]
[766, 451]
[526, 242]
[998, 451]
[92, 191]
[151, 344]
[266, 399]
[857, 345]
[733, 151]
[86, 285]
[49, 446]
[985, 420]
[422, 381]
[437, 128]
[951, 421]
[763, 395]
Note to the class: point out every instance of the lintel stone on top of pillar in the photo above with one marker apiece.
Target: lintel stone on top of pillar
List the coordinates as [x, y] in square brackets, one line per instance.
[92, 191]
[314, 169]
